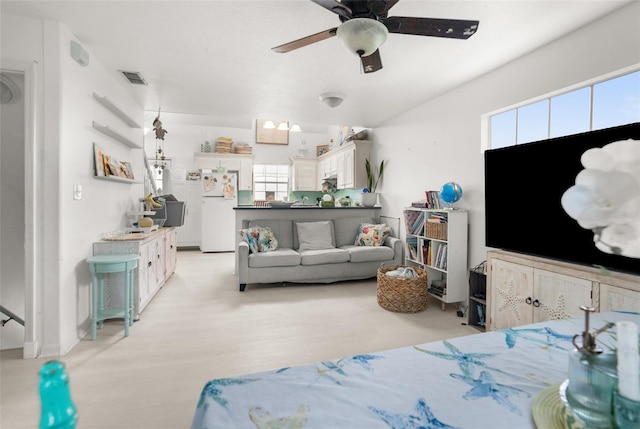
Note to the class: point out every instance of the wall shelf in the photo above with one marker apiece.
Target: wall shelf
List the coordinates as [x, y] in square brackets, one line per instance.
[116, 179]
[111, 133]
[109, 105]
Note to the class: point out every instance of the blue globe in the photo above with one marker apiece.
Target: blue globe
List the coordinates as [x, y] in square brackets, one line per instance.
[451, 192]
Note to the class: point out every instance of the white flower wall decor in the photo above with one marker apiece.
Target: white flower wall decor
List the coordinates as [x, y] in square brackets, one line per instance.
[606, 197]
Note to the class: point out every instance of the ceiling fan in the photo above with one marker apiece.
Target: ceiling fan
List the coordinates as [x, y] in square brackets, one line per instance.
[365, 26]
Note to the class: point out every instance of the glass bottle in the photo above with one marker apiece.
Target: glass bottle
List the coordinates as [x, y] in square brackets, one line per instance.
[58, 410]
[592, 378]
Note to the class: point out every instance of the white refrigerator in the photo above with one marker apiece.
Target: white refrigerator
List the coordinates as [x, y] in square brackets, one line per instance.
[219, 197]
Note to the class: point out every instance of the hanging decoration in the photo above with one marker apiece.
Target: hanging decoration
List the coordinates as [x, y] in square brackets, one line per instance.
[160, 163]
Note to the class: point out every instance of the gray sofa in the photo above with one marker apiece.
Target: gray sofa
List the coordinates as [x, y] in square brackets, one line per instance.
[289, 263]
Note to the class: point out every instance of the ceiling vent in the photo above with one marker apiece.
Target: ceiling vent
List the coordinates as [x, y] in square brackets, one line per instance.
[133, 77]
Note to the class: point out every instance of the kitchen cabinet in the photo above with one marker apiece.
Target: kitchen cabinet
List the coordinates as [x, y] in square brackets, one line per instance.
[189, 191]
[155, 266]
[346, 164]
[525, 289]
[245, 179]
[304, 174]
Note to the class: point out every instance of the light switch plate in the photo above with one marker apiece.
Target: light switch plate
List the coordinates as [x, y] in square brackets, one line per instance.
[77, 192]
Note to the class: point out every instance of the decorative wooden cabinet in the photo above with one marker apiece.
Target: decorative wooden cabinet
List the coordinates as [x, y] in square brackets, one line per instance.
[613, 298]
[189, 191]
[526, 289]
[303, 172]
[436, 240]
[522, 295]
[155, 266]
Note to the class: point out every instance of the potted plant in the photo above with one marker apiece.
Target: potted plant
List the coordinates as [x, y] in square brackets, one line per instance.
[374, 176]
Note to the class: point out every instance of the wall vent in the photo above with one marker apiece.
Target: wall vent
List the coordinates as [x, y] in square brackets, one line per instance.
[133, 77]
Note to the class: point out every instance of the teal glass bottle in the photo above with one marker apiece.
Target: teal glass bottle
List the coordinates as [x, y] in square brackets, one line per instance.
[58, 410]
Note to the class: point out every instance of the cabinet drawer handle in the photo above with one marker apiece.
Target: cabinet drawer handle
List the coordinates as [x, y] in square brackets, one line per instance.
[528, 300]
[149, 264]
[536, 303]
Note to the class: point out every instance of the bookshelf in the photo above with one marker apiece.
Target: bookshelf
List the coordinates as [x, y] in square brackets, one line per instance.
[436, 240]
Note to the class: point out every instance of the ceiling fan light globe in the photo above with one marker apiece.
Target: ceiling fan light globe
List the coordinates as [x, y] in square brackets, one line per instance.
[362, 36]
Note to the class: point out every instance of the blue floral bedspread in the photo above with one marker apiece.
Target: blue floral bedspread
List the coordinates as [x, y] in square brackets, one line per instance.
[487, 380]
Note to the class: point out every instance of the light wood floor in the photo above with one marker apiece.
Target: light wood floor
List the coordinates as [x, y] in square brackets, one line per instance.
[199, 327]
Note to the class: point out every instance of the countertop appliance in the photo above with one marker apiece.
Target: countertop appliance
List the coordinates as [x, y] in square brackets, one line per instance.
[219, 197]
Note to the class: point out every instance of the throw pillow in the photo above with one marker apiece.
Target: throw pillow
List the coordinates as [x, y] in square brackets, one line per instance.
[259, 239]
[370, 234]
[315, 235]
[267, 240]
[250, 236]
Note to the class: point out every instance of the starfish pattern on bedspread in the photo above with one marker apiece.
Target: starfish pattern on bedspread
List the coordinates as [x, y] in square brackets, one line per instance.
[551, 337]
[326, 369]
[213, 389]
[422, 418]
[486, 387]
[466, 361]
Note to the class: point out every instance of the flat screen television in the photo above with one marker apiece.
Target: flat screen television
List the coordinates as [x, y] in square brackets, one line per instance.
[527, 213]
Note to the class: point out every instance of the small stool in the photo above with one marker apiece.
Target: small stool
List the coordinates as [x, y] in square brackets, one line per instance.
[105, 264]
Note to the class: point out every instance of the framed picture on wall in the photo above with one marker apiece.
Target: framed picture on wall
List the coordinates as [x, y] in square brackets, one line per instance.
[345, 130]
[270, 135]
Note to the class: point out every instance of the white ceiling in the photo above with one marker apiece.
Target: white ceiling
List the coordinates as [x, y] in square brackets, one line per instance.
[213, 58]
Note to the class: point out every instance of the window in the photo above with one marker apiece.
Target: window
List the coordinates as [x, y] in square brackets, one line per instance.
[603, 104]
[270, 182]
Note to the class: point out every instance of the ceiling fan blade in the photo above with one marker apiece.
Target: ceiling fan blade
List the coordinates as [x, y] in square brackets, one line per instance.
[306, 41]
[451, 28]
[335, 7]
[390, 4]
[371, 63]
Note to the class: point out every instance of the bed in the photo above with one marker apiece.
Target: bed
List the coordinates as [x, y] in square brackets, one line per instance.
[488, 380]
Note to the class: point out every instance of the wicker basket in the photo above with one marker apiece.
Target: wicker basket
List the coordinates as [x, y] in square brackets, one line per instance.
[436, 230]
[402, 295]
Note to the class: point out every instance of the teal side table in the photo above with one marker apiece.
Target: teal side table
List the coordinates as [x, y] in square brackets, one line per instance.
[100, 265]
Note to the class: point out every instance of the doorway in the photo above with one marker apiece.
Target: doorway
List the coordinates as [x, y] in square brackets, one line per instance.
[12, 209]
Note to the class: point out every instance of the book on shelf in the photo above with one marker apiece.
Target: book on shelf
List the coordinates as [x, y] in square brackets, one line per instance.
[423, 204]
[433, 199]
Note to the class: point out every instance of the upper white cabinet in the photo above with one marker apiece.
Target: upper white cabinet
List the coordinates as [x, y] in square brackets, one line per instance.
[304, 174]
[346, 164]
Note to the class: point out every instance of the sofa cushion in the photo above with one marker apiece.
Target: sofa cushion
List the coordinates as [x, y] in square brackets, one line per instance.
[372, 234]
[282, 230]
[346, 229]
[278, 258]
[324, 256]
[369, 253]
[315, 235]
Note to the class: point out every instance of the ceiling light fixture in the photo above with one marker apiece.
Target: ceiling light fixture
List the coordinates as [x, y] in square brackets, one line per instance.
[283, 126]
[269, 124]
[332, 99]
[362, 36]
[295, 128]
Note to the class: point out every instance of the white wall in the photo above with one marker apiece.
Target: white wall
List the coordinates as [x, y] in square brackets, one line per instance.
[184, 139]
[64, 158]
[439, 141]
